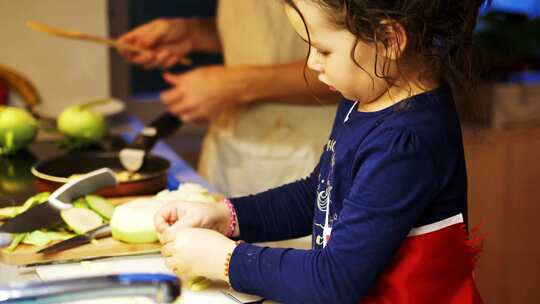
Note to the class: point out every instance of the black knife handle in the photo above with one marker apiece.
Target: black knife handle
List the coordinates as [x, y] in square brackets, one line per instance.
[161, 127]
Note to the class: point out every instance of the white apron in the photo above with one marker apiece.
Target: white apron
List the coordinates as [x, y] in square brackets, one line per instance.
[261, 146]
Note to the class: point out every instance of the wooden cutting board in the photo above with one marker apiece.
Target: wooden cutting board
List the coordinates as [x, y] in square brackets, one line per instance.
[26, 254]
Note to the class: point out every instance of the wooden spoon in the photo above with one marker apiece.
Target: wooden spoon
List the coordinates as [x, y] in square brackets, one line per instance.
[71, 34]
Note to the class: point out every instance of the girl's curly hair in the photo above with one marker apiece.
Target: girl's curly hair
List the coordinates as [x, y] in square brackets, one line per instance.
[439, 33]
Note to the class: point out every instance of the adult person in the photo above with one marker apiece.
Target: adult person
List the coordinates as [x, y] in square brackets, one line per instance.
[262, 134]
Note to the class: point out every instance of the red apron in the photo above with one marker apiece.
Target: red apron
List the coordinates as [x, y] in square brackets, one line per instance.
[434, 265]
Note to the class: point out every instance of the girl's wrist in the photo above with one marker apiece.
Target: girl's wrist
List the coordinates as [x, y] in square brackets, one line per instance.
[232, 227]
[229, 250]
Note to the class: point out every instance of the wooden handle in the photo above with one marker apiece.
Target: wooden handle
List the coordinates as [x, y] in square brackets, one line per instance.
[71, 34]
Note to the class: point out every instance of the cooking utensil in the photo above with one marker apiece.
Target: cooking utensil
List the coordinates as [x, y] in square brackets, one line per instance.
[72, 34]
[132, 157]
[47, 214]
[98, 233]
[161, 288]
[53, 173]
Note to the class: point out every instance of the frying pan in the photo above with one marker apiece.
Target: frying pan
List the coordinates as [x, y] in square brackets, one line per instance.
[53, 173]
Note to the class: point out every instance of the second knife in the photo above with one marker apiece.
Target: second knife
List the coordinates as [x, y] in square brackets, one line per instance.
[82, 239]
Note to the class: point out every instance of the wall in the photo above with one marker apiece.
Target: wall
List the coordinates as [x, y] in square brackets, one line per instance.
[504, 196]
[63, 70]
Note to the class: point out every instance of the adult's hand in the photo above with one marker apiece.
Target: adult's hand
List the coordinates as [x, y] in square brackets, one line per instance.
[169, 41]
[201, 94]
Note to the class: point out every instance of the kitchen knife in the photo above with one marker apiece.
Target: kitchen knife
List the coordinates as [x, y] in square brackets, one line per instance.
[98, 233]
[132, 157]
[121, 288]
[47, 214]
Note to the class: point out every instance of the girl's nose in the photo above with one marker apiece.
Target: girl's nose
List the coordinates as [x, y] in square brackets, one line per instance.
[314, 61]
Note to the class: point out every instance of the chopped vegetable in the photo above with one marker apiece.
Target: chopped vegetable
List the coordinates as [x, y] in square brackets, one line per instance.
[100, 205]
[133, 222]
[17, 239]
[59, 235]
[37, 238]
[121, 176]
[189, 192]
[43, 237]
[127, 176]
[199, 283]
[8, 212]
[81, 220]
[34, 200]
[17, 129]
[81, 203]
[12, 211]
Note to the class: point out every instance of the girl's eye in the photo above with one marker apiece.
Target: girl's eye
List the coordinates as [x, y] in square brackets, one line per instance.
[324, 53]
[321, 52]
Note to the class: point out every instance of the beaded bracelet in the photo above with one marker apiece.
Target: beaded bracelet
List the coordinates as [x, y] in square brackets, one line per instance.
[228, 260]
[232, 222]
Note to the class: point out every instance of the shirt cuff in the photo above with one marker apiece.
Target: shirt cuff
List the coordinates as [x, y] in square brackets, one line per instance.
[246, 215]
[238, 272]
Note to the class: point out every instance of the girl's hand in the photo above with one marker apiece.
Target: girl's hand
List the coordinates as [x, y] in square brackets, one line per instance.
[193, 252]
[215, 216]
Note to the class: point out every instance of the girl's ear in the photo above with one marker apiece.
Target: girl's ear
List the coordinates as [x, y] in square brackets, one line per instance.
[393, 37]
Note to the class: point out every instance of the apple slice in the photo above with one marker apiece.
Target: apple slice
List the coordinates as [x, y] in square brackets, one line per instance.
[81, 220]
[100, 205]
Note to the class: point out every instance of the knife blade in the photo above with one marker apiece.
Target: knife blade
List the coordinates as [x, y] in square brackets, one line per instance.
[98, 233]
[47, 214]
[132, 157]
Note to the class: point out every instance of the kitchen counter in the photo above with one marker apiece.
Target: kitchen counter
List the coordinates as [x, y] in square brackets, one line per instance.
[179, 171]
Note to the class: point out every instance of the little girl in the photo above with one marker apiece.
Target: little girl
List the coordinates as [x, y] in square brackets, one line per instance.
[387, 204]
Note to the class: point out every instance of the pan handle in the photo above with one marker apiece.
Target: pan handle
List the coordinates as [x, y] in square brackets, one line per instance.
[161, 127]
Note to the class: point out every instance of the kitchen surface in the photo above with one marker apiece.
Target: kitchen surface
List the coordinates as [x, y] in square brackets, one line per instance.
[146, 259]
[78, 107]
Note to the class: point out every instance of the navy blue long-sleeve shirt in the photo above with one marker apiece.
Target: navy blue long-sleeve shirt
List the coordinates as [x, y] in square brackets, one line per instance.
[381, 174]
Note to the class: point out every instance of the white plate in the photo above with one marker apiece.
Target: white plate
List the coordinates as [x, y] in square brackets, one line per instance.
[110, 108]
